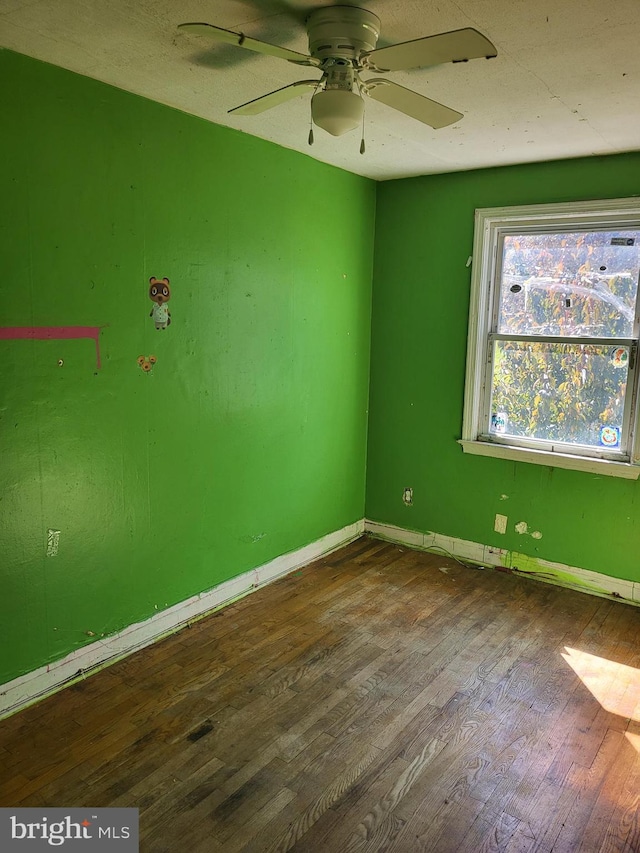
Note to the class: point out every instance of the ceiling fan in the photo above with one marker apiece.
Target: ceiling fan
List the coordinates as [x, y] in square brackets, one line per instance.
[342, 41]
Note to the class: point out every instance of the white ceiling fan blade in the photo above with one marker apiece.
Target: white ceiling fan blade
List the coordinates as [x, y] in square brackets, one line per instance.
[456, 46]
[411, 103]
[259, 105]
[239, 39]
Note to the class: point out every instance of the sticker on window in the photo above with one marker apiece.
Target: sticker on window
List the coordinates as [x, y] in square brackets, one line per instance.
[499, 422]
[622, 241]
[610, 436]
[619, 357]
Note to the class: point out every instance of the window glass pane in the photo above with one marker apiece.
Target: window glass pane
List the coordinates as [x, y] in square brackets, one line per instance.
[581, 284]
[571, 393]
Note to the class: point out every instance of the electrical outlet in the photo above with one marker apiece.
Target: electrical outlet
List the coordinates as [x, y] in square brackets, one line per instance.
[500, 524]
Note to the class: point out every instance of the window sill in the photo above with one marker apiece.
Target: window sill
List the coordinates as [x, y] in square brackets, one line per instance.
[593, 465]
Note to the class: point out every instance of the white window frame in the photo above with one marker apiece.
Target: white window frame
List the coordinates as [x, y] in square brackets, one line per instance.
[490, 224]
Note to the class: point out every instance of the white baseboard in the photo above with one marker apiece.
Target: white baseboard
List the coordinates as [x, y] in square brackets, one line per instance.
[559, 574]
[26, 689]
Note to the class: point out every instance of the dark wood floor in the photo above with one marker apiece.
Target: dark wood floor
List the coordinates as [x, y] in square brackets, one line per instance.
[378, 700]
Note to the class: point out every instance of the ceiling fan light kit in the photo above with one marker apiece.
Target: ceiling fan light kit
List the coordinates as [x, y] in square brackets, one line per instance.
[337, 111]
[342, 45]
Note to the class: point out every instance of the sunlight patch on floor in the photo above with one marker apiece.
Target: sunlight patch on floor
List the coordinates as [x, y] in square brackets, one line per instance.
[614, 685]
[634, 740]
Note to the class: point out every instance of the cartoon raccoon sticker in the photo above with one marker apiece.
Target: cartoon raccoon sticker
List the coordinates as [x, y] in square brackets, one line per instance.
[160, 294]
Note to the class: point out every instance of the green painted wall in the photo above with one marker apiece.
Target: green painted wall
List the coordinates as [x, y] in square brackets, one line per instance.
[248, 439]
[424, 235]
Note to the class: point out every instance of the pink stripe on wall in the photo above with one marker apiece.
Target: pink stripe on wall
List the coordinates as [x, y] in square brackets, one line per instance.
[52, 333]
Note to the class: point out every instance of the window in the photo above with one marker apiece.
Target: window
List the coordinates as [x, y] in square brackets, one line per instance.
[553, 336]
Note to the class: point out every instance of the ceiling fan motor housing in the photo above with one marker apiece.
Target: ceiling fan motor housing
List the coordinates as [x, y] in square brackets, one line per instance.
[342, 32]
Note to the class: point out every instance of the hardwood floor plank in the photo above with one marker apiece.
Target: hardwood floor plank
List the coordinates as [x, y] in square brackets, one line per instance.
[522, 842]
[596, 830]
[623, 829]
[383, 808]
[247, 833]
[331, 794]
[490, 835]
[588, 783]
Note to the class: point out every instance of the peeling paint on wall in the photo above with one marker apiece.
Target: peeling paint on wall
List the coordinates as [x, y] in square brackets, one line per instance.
[522, 527]
[523, 564]
[500, 523]
[53, 539]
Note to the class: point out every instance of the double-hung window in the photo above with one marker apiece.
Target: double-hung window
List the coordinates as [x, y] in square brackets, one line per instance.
[552, 372]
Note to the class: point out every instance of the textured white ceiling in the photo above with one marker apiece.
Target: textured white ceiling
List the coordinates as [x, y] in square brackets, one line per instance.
[566, 82]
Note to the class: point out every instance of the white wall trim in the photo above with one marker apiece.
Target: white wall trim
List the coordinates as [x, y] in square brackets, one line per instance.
[592, 464]
[26, 689]
[559, 574]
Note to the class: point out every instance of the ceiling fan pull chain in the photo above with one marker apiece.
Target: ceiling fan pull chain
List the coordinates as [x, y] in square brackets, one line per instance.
[318, 84]
[362, 146]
